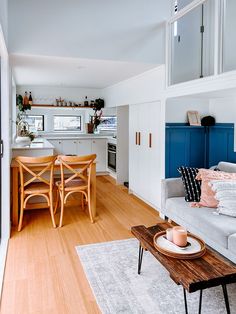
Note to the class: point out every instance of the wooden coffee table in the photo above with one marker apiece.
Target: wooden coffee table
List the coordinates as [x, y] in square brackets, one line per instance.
[208, 271]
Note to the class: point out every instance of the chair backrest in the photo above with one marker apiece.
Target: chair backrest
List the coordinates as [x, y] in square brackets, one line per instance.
[79, 166]
[32, 169]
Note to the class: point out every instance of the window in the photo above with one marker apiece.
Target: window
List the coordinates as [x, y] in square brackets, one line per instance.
[108, 123]
[36, 122]
[67, 123]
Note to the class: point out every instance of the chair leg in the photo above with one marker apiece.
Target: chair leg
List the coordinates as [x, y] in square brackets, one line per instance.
[62, 209]
[51, 210]
[57, 202]
[89, 208]
[21, 212]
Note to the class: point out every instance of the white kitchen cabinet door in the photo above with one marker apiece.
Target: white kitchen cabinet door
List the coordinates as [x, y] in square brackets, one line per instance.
[144, 153]
[84, 147]
[143, 183]
[57, 146]
[99, 147]
[134, 148]
[154, 154]
[69, 147]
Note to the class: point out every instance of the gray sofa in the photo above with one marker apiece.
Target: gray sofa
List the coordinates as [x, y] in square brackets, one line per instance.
[218, 231]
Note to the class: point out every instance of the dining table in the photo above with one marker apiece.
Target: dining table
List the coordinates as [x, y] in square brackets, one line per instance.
[15, 185]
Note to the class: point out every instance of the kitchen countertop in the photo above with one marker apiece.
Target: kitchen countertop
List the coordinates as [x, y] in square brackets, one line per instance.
[38, 143]
[79, 137]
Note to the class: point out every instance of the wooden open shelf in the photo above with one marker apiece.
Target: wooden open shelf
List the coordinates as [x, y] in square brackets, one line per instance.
[53, 106]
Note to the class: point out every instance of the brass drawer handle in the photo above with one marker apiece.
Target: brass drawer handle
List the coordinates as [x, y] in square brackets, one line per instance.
[139, 138]
[150, 140]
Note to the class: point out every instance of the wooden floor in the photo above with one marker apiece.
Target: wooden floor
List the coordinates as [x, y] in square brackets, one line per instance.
[43, 272]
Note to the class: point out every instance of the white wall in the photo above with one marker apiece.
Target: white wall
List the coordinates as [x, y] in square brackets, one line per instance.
[4, 18]
[176, 108]
[223, 109]
[146, 87]
[48, 94]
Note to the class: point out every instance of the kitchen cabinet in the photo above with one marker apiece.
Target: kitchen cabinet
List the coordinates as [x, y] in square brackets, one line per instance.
[69, 147]
[57, 146]
[99, 147]
[144, 152]
[83, 147]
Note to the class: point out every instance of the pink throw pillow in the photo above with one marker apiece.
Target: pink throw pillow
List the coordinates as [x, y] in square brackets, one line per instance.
[207, 194]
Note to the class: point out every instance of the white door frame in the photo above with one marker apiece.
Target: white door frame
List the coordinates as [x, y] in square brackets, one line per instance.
[5, 124]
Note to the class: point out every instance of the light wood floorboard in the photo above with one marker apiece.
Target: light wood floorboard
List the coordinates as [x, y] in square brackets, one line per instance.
[43, 272]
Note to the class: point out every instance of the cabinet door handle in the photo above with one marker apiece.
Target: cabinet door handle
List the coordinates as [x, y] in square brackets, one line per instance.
[139, 138]
[136, 138]
[150, 140]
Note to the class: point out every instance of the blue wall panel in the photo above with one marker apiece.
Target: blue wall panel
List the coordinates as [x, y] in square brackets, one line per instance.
[221, 144]
[198, 146]
[184, 147]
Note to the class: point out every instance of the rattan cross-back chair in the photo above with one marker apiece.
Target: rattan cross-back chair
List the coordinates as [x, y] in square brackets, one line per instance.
[78, 181]
[33, 182]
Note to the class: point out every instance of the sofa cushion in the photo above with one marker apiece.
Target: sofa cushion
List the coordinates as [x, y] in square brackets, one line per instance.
[207, 195]
[232, 243]
[216, 227]
[191, 185]
[227, 166]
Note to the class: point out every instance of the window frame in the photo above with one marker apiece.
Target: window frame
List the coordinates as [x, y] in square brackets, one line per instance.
[108, 129]
[69, 130]
[37, 115]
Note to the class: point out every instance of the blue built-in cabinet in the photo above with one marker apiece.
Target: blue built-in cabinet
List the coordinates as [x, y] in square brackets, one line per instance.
[198, 146]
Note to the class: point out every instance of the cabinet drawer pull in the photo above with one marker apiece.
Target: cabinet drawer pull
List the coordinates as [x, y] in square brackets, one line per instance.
[150, 140]
[139, 138]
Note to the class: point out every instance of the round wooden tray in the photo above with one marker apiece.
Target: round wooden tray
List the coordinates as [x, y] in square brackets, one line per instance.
[180, 255]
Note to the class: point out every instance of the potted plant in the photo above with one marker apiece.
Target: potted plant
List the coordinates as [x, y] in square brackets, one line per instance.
[24, 136]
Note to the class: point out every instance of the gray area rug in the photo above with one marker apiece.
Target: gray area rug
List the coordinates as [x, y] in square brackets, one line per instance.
[111, 269]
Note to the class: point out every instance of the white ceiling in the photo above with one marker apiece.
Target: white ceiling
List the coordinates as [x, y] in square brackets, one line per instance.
[110, 40]
[74, 72]
[126, 30]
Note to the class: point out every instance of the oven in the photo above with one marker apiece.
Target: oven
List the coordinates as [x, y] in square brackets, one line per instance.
[111, 156]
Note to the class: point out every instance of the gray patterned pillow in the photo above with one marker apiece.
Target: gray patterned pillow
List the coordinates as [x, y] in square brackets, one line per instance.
[191, 185]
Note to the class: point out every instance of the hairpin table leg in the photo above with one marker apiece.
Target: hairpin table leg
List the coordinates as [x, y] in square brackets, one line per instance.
[226, 299]
[140, 258]
[200, 303]
[185, 301]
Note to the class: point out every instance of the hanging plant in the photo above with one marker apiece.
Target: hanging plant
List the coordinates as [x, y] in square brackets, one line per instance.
[20, 105]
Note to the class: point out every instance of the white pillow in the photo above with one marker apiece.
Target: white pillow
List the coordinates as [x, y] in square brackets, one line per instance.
[225, 193]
